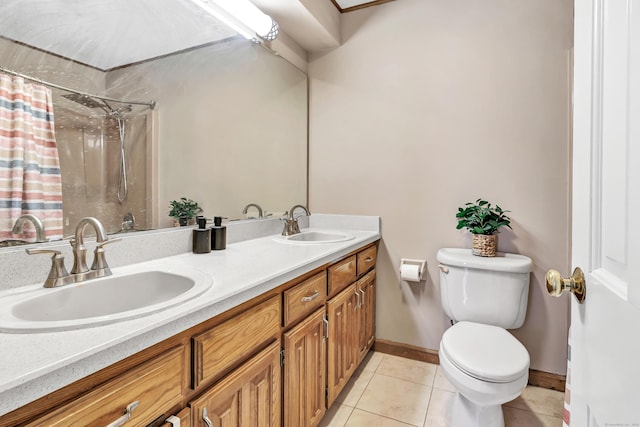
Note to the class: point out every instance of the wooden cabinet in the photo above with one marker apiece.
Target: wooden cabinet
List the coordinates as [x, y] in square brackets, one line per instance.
[156, 386]
[351, 316]
[342, 347]
[228, 368]
[248, 397]
[366, 313]
[304, 372]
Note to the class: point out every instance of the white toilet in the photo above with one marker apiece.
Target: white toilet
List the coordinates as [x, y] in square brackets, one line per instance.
[486, 364]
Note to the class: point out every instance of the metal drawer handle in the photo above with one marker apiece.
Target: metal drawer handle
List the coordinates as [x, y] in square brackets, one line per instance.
[368, 259]
[362, 292]
[311, 297]
[127, 415]
[358, 303]
[325, 319]
[205, 418]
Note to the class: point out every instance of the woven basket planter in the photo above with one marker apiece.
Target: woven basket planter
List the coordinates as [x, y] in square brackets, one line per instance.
[485, 245]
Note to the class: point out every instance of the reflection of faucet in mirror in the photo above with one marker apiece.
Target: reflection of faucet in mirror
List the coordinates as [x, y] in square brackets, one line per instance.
[37, 224]
[291, 225]
[246, 209]
[128, 222]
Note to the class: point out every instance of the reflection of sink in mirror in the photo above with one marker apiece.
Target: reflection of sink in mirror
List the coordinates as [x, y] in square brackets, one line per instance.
[101, 301]
[13, 242]
[314, 237]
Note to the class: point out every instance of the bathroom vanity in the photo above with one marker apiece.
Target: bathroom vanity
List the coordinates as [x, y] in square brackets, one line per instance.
[274, 350]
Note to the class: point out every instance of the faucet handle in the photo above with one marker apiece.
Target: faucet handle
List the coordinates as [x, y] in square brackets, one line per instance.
[100, 261]
[58, 274]
[99, 245]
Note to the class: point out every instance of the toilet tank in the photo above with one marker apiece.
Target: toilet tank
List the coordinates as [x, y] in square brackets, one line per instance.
[488, 290]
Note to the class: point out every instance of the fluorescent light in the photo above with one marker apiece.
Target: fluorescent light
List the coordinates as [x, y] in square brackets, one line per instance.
[243, 16]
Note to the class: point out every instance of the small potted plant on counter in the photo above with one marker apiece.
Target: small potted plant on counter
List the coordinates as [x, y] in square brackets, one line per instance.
[483, 221]
[184, 211]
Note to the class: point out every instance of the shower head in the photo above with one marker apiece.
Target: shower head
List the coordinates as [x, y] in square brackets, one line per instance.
[84, 100]
[90, 102]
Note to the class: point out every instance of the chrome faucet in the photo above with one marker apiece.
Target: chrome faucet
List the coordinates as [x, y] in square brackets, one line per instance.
[80, 272]
[246, 209]
[37, 224]
[291, 225]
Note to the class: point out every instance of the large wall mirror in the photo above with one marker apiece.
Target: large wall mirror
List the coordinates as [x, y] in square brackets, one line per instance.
[229, 126]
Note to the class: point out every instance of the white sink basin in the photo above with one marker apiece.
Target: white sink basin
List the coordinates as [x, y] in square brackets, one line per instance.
[314, 237]
[100, 301]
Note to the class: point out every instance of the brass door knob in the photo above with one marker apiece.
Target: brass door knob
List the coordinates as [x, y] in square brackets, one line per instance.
[575, 284]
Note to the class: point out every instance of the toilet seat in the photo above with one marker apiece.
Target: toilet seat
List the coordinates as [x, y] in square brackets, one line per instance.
[485, 352]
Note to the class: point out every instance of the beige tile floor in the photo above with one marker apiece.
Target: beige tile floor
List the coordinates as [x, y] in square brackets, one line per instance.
[391, 391]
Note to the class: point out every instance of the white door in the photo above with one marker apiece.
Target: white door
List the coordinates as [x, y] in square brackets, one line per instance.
[605, 330]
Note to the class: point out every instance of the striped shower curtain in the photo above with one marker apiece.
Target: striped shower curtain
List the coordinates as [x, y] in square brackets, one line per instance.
[30, 180]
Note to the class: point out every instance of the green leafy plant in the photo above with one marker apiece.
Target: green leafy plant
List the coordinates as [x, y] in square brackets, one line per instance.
[184, 208]
[482, 218]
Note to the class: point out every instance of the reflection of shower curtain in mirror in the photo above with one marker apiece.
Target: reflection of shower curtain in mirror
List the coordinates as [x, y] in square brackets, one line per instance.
[30, 179]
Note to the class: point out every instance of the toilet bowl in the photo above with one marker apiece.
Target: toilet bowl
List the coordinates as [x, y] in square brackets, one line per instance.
[488, 367]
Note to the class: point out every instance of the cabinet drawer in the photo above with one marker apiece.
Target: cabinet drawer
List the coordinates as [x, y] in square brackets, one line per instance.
[366, 259]
[225, 345]
[342, 274]
[157, 385]
[304, 297]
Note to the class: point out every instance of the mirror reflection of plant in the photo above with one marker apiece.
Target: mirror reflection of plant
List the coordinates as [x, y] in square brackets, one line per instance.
[184, 208]
[482, 218]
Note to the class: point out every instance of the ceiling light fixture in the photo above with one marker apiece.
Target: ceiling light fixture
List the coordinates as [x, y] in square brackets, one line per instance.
[243, 16]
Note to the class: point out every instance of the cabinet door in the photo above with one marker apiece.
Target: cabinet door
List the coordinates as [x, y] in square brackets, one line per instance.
[366, 313]
[342, 347]
[247, 397]
[304, 372]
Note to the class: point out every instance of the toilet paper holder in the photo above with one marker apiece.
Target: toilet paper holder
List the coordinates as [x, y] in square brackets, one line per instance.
[421, 263]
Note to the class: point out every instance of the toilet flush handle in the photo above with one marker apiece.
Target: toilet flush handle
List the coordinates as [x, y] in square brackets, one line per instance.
[444, 268]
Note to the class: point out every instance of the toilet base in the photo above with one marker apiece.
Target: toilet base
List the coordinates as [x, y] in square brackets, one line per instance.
[466, 414]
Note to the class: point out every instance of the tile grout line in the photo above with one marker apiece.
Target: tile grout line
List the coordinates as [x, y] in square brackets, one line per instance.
[381, 416]
[426, 415]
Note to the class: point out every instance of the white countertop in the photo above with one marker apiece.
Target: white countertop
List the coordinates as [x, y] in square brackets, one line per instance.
[33, 365]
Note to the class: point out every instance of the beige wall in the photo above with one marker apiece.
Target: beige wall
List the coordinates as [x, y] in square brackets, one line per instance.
[232, 127]
[430, 104]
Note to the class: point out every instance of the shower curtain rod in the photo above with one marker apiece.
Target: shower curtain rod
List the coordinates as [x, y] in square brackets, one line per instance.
[150, 104]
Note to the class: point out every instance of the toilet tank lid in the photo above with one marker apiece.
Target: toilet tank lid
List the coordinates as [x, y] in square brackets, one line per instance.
[458, 257]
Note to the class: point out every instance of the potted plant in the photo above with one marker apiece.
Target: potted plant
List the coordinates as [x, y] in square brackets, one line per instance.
[483, 221]
[184, 211]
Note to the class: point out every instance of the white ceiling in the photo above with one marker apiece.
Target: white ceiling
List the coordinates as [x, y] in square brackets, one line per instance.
[106, 34]
[109, 33]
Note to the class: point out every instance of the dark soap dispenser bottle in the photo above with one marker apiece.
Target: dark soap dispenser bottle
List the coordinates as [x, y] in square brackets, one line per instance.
[201, 237]
[218, 234]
